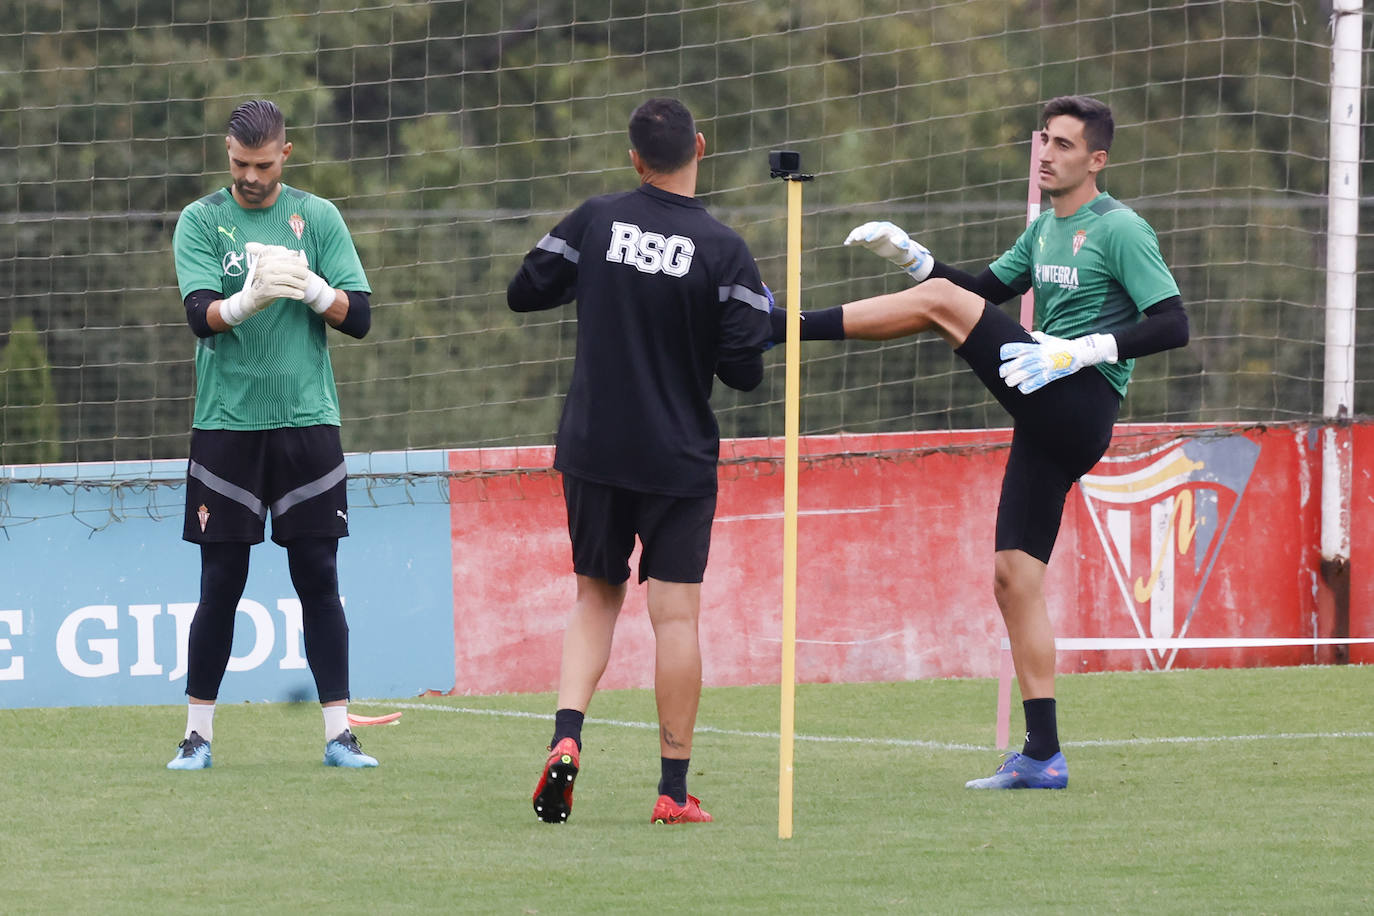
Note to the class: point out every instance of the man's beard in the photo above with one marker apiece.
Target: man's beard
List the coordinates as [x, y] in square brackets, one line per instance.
[255, 192]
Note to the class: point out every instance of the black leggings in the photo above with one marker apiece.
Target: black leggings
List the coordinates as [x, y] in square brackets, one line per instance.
[223, 575]
[1059, 433]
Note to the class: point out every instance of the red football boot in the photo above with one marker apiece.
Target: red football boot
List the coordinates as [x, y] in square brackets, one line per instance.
[553, 794]
[667, 811]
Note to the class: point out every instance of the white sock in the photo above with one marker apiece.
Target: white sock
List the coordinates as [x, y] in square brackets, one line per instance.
[200, 718]
[335, 721]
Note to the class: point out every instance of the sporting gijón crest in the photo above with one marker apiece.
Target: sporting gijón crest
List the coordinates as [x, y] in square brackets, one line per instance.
[1162, 514]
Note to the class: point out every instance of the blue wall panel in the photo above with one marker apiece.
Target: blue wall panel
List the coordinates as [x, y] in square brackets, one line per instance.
[97, 588]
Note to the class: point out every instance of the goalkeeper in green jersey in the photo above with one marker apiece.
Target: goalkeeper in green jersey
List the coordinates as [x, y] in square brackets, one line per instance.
[1103, 296]
[265, 270]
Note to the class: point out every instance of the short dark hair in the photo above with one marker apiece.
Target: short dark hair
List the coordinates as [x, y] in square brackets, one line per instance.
[1098, 125]
[256, 123]
[663, 133]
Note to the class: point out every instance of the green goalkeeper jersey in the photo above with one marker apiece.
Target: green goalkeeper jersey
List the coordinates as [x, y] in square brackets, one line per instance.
[273, 370]
[1093, 272]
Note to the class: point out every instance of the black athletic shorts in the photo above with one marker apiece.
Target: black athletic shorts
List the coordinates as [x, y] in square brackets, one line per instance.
[236, 476]
[675, 532]
[1059, 433]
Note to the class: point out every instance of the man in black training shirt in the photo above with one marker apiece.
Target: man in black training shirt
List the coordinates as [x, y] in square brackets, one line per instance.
[667, 297]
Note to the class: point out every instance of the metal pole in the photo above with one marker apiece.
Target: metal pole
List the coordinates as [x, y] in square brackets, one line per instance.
[1343, 209]
[1343, 217]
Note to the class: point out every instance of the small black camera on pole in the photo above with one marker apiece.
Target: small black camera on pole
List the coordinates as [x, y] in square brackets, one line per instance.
[786, 164]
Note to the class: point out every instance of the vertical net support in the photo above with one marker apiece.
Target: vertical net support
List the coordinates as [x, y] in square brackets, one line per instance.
[1343, 217]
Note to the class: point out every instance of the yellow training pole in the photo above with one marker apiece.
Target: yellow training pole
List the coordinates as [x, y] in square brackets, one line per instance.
[791, 434]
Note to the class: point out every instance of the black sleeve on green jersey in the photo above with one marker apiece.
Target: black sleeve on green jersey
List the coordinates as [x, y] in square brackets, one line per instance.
[985, 284]
[1164, 327]
[358, 321]
[817, 324]
[197, 302]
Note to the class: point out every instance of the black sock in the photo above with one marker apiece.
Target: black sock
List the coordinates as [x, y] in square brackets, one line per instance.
[567, 723]
[1042, 729]
[821, 324]
[673, 782]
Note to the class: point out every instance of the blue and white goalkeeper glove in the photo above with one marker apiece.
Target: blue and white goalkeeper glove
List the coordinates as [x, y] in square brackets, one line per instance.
[890, 241]
[1029, 367]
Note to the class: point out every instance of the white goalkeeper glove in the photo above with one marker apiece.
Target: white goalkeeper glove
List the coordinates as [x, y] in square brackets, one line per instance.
[319, 295]
[1029, 367]
[274, 273]
[890, 241]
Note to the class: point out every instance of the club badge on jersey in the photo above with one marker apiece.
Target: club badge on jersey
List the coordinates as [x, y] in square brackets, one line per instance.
[297, 224]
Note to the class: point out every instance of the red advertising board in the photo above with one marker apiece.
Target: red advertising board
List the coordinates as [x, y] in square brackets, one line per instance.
[1179, 532]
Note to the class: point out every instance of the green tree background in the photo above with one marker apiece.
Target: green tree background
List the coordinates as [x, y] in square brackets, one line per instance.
[28, 406]
[453, 134]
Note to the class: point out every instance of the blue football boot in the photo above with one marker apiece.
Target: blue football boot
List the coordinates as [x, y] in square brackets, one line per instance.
[193, 753]
[1021, 772]
[344, 751]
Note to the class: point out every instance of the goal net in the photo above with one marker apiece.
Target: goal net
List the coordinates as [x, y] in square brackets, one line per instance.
[453, 134]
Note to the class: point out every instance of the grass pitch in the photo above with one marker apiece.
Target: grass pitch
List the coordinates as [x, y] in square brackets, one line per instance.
[1190, 792]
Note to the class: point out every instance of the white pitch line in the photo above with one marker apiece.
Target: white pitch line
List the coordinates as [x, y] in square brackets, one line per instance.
[836, 642]
[883, 742]
[1216, 739]
[772, 516]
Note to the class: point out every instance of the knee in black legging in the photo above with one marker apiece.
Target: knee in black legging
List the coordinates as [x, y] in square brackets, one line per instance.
[314, 567]
[223, 573]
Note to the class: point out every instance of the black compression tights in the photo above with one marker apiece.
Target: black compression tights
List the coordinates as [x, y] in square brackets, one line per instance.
[314, 573]
[223, 573]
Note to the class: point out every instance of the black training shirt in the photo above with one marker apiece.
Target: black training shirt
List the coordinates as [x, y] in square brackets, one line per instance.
[667, 298]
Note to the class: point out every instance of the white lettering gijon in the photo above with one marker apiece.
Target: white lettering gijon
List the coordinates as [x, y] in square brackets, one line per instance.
[88, 641]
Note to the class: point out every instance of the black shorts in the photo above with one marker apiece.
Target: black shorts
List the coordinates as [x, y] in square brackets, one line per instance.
[1059, 433]
[675, 532]
[235, 477]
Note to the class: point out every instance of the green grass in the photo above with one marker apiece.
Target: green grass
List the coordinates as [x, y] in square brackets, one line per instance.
[1267, 819]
